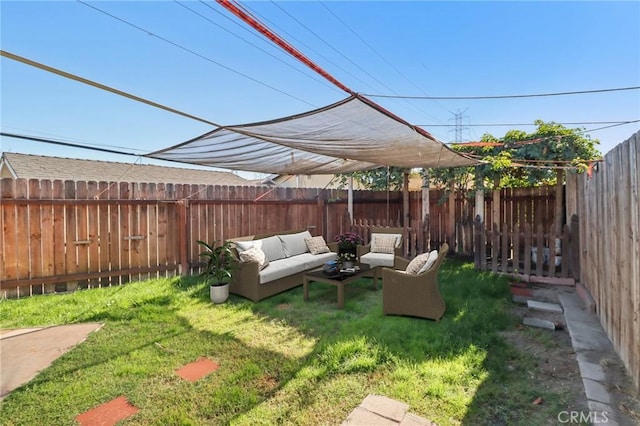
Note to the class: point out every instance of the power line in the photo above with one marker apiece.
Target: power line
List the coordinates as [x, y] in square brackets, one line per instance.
[532, 124]
[580, 92]
[237, 9]
[147, 32]
[613, 125]
[539, 139]
[195, 12]
[242, 13]
[101, 86]
[69, 144]
[363, 41]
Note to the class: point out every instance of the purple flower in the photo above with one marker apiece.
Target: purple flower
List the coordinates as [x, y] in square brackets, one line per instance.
[348, 240]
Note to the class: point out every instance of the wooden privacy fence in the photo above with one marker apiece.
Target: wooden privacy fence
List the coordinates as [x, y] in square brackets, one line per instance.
[61, 235]
[528, 250]
[609, 210]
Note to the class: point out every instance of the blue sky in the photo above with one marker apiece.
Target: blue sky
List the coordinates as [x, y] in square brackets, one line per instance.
[212, 65]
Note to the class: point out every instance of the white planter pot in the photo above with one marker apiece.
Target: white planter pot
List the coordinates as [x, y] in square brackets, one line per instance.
[219, 293]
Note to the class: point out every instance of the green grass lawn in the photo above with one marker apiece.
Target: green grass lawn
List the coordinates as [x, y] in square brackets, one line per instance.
[283, 360]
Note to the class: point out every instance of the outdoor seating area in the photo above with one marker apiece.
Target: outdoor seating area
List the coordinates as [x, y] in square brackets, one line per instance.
[279, 262]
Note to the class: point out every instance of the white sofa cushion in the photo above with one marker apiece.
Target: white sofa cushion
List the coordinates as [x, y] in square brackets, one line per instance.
[295, 244]
[311, 261]
[279, 269]
[377, 259]
[272, 248]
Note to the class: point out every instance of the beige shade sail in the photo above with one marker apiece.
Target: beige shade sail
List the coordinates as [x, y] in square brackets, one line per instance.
[350, 135]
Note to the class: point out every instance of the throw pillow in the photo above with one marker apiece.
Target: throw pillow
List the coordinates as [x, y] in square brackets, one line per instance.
[317, 245]
[246, 245]
[254, 254]
[433, 256]
[383, 243]
[417, 263]
[398, 237]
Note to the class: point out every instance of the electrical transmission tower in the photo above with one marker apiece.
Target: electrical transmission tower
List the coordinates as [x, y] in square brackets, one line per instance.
[458, 128]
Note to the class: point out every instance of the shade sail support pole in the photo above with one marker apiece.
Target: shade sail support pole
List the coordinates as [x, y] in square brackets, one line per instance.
[350, 199]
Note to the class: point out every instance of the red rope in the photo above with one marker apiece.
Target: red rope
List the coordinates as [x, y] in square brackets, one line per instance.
[236, 9]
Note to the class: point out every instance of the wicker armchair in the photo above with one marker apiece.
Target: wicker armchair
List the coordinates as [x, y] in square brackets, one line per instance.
[378, 260]
[413, 295]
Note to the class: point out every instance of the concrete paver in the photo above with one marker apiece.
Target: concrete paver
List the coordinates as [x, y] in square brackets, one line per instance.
[380, 410]
[40, 346]
[592, 346]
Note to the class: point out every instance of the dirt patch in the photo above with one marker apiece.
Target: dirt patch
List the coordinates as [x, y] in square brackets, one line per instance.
[557, 366]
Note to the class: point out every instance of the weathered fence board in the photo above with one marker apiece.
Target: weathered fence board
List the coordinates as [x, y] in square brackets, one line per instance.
[609, 230]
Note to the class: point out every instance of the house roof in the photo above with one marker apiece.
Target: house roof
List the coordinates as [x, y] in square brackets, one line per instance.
[30, 166]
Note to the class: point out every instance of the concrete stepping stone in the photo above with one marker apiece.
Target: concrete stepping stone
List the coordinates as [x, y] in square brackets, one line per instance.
[378, 410]
[543, 306]
[537, 322]
[41, 346]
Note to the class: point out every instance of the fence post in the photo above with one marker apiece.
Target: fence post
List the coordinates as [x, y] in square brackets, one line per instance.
[426, 231]
[516, 249]
[539, 250]
[504, 248]
[477, 241]
[322, 213]
[527, 249]
[183, 237]
[565, 252]
[574, 248]
[495, 247]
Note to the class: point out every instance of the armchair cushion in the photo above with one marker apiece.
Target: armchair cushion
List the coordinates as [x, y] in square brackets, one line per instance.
[377, 259]
[384, 243]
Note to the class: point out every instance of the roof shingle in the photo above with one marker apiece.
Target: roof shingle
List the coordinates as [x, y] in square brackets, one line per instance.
[31, 166]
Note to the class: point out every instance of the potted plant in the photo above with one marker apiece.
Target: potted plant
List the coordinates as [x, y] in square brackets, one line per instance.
[347, 244]
[217, 271]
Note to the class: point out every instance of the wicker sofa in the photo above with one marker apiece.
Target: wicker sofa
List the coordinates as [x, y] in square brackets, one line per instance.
[413, 295]
[288, 259]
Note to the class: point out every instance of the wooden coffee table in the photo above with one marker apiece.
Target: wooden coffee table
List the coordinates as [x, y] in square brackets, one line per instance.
[339, 280]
